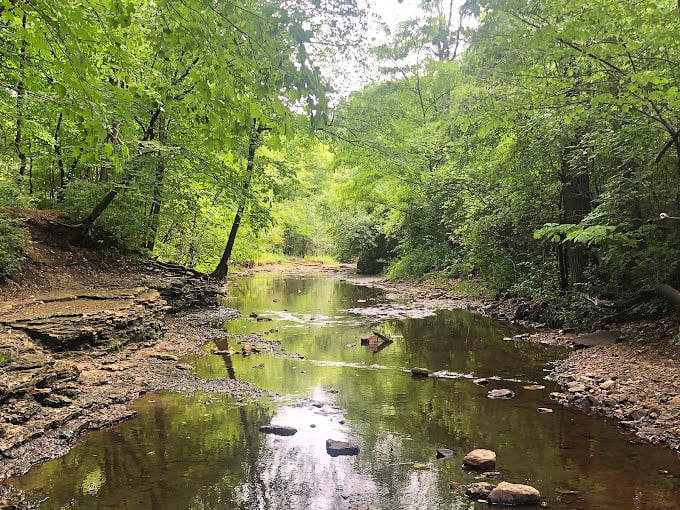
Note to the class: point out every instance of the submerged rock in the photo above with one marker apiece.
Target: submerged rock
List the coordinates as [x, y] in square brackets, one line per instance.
[335, 448]
[480, 459]
[279, 430]
[491, 474]
[514, 494]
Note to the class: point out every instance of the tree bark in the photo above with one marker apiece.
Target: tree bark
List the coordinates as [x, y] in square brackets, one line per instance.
[222, 268]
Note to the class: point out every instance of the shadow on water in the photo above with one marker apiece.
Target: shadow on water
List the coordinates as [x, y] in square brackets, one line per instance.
[204, 451]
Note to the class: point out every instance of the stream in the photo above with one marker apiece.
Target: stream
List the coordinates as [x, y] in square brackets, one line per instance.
[204, 451]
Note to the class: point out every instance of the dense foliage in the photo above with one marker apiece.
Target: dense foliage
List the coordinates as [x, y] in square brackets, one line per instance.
[538, 161]
[531, 146]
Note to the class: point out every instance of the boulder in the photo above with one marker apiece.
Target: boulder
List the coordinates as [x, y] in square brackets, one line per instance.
[335, 448]
[279, 430]
[514, 494]
[480, 459]
[420, 372]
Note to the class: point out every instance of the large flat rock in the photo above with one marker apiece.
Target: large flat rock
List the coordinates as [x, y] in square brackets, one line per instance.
[69, 319]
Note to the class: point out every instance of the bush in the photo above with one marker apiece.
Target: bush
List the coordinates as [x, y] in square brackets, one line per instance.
[13, 239]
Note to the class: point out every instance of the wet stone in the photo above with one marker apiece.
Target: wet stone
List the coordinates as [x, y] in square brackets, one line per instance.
[166, 357]
[443, 453]
[335, 448]
[420, 372]
[480, 459]
[501, 393]
[479, 490]
[279, 430]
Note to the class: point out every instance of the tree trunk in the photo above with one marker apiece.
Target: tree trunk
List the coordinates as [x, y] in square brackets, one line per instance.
[575, 204]
[148, 135]
[100, 207]
[222, 268]
[154, 212]
[21, 92]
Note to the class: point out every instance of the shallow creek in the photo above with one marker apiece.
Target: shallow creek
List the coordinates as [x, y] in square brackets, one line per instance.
[204, 451]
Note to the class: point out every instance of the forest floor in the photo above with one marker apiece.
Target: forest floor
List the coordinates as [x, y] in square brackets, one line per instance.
[634, 380]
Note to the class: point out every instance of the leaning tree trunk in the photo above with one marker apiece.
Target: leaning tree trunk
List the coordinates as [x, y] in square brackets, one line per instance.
[87, 224]
[222, 268]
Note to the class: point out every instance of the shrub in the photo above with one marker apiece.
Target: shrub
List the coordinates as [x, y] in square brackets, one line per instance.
[13, 239]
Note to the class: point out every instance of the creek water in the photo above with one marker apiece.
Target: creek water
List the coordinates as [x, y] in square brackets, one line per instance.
[204, 451]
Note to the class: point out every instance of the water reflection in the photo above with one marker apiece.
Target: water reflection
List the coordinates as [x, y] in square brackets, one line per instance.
[204, 451]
